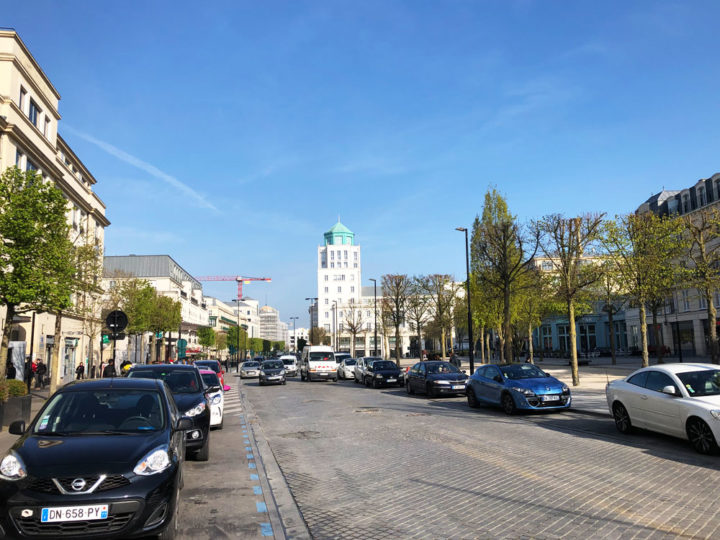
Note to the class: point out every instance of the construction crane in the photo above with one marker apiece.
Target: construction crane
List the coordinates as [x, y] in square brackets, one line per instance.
[240, 280]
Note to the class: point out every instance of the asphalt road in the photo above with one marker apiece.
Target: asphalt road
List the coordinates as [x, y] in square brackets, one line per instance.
[365, 463]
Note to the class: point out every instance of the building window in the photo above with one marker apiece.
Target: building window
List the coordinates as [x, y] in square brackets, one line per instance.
[341, 314]
[563, 337]
[686, 203]
[703, 300]
[367, 313]
[33, 112]
[547, 265]
[352, 289]
[31, 166]
[46, 127]
[332, 265]
[346, 254]
[369, 326]
[327, 314]
[686, 301]
[701, 195]
[342, 278]
[332, 255]
[354, 265]
[355, 256]
[18, 159]
[327, 327]
[340, 327]
[327, 301]
[339, 289]
[326, 290]
[717, 189]
[21, 101]
[326, 277]
[546, 334]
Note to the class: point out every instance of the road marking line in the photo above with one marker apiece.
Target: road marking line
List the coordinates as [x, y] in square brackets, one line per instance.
[261, 506]
[266, 529]
[257, 490]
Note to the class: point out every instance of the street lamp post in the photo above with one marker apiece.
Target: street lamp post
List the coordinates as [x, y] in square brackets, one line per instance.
[469, 308]
[375, 347]
[293, 319]
[312, 299]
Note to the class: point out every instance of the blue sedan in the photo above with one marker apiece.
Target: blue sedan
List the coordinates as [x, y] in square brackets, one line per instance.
[516, 386]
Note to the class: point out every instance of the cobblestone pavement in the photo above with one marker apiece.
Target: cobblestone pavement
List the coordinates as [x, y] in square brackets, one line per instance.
[365, 463]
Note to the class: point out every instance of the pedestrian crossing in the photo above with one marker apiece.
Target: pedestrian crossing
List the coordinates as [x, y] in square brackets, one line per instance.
[233, 405]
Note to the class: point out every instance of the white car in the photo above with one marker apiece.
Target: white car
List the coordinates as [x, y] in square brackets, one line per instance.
[249, 369]
[682, 400]
[346, 369]
[290, 362]
[216, 398]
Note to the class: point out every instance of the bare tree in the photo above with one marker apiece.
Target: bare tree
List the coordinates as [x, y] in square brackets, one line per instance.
[441, 291]
[354, 323]
[396, 290]
[610, 293]
[566, 241]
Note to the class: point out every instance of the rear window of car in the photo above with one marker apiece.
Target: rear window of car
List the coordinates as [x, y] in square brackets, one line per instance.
[251, 365]
[210, 379]
[350, 362]
[383, 364]
[288, 361]
[180, 381]
[273, 364]
[321, 356]
[209, 365]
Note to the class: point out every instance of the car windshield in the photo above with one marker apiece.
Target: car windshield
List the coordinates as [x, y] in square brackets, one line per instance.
[209, 365]
[383, 364]
[442, 367]
[210, 379]
[288, 361]
[273, 364]
[322, 357]
[251, 365]
[350, 362]
[521, 371]
[701, 383]
[101, 412]
[180, 381]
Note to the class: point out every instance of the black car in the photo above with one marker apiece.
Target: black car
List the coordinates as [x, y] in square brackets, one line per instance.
[435, 378]
[382, 373]
[272, 372]
[191, 397]
[102, 458]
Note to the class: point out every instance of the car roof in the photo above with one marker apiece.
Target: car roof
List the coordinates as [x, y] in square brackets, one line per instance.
[681, 368]
[207, 371]
[164, 367]
[113, 383]
[288, 356]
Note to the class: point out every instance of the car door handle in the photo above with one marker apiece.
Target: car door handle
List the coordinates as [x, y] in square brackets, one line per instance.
[643, 397]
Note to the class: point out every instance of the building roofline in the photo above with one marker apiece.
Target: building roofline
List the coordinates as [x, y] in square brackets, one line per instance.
[11, 32]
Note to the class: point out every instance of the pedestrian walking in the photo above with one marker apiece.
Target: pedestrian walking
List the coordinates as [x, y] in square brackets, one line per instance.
[93, 368]
[454, 360]
[80, 371]
[10, 371]
[40, 371]
[109, 370]
[28, 373]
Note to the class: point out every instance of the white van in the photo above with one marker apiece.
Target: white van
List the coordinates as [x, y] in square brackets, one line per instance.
[290, 363]
[318, 362]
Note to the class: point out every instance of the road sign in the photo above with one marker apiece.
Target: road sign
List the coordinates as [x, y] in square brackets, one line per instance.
[116, 321]
[182, 344]
[105, 338]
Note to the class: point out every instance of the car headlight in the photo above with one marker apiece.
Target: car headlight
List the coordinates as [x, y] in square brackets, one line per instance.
[442, 382]
[216, 399]
[12, 468]
[523, 391]
[565, 389]
[715, 414]
[197, 409]
[154, 462]
[378, 376]
[282, 372]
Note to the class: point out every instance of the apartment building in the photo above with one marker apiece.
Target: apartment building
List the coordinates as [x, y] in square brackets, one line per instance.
[30, 139]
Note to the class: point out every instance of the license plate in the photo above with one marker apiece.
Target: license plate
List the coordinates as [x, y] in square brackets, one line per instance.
[274, 377]
[550, 398]
[74, 513]
[458, 387]
[392, 380]
[323, 374]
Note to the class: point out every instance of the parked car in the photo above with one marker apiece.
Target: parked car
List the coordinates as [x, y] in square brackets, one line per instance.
[215, 365]
[361, 366]
[290, 363]
[102, 457]
[251, 368]
[318, 362]
[516, 386]
[435, 378]
[190, 395]
[340, 356]
[346, 368]
[272, 372]
[382, 373]
[682, 400]
[216, 398]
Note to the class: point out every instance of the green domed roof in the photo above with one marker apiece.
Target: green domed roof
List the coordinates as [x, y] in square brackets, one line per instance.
[339, 234]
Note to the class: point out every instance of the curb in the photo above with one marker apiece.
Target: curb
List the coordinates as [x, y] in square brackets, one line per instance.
[285, 516]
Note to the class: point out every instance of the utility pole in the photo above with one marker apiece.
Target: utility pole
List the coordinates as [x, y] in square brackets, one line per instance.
[469, 308]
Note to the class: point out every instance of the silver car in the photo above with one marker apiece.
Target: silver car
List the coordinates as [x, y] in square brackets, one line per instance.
[346, 369]
[249, 369]
[361, 365]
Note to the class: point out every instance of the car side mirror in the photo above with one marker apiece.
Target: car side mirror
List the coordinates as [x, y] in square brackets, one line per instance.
[184, 423]
[213, 389]
[17, 427]
[669, 389]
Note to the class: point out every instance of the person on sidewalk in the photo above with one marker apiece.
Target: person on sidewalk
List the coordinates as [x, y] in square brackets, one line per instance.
[109, 370]
[93, 368]
[80, 371]
[28, 374]
[10, 370]
[454, 360]
[40, 372]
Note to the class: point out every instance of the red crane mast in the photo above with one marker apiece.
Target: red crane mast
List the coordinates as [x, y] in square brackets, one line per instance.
[240, 280]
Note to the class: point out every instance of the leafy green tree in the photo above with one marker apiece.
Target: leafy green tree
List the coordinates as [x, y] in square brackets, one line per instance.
[36, 255]
[396, 289]
[643, 247]
[417, 311]
[88, 291]
[535, 302]
[566, 241]
[166, 315]
[301, 342]
[611, 294]
[318, 335]
[206, 337]
[221, 341]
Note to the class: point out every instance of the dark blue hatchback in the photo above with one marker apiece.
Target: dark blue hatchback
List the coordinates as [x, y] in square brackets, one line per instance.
[517, 386]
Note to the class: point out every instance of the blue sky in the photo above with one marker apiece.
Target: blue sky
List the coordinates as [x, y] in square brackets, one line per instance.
[232, 134]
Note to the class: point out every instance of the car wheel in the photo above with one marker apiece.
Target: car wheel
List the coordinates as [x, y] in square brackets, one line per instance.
[408, 388]
[508, 404]
[302, 377]
[170, 532]
[375, 384]
[430, 390]
[356, 380]
[204, 453]
[284, 382]
[622, 419]
[472, 399]
[701, 436]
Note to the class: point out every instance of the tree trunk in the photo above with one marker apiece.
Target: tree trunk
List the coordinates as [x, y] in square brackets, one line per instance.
[656, 337]
[501, 345]
[442, 342]
[530, 344]
[487, 346]
[352, 345]
[611, 324]
[7, 327]
[507, 330]
[54, 366]
[643, 335]
[482, 344]
[153, 348]
[712, 327]
[397, 344]
[573, 345]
